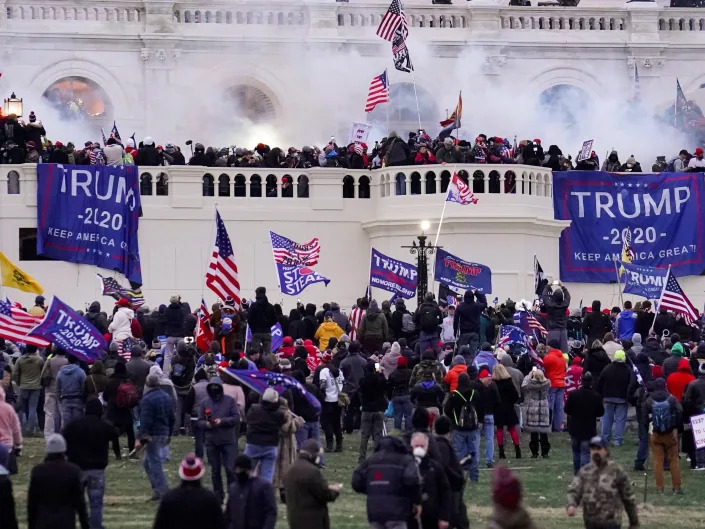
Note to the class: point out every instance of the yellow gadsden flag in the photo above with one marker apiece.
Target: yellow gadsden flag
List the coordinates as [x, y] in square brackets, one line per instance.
[15, 278]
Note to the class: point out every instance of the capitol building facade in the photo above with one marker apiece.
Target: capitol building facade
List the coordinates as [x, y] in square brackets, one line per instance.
[296, 72]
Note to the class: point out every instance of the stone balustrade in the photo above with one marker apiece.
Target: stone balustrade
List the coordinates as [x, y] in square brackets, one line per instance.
[62, 10]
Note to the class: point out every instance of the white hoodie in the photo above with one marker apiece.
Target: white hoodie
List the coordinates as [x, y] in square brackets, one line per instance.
[121, 326]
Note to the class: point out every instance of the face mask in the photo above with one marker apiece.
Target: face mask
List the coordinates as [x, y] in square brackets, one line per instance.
[419, 451]
[242, 476]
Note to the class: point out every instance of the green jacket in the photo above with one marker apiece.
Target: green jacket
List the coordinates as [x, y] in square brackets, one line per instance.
[28, 371]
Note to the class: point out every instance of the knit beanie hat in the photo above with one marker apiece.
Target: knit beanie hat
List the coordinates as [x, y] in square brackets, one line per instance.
[506, 489]
[677, 349]
[458, 359]
[403, 362]
[270, 395]
[191, 468]
[56, 444]
[620, 356]
[657, 371]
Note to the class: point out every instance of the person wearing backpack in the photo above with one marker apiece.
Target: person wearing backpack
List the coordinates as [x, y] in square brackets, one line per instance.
[183, 368]
[120, 397]
[403, 325]
[466, 321]
[465, 409]
[665, 413]
[428, 319]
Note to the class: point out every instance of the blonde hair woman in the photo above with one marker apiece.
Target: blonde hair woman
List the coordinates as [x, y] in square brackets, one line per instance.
[505, 416]
[537, 418]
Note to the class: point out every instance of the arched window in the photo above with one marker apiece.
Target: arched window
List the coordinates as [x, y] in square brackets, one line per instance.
[363, 186]
[78, 98]
[564, 104]
[415, 183]
[208, 185]
[251, 103]
[223, 185]
[162, 184]
[348, 187]
[402, 108]
[255, 186]
[271, 186]
[240, 185]
[146, 184]
[302, 186]
[13, 183]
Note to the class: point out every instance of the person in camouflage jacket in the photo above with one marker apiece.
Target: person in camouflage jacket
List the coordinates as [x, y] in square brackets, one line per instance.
[603, 488]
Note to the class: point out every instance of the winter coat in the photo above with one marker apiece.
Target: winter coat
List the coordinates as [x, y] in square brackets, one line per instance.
[448, 155]
[174, 319]
[156, 414]
[436, 501]
[427, 394]
[390, 479]
[121, 326]
[226, 410]
[307, 495]
[96, 382]
[595, 362]
[505, 414]
[353, 368]
[677, 382]
[664, 321]
[554, 363]
[614, 381]
[399, 382]
[326, 331]
[396, 152]
[694, 396]
[424, 158]
[556, 304]
[535, 410]
[660, 395]
[426, 366]
[286, 450]
[261, 315]
[70, 381]
[138, 369]
[457, 400]
[97, 318]
[656, 353]
[626, 324]
[374, 326]
[644, 320]
[10, 431]
[429, 325]
[188, 506]
[388, 364]
[55, 495]
[467, 314]
[583, 407]
[611, 164]
[451, 378]
[27, 371]
[87, 441]
[148, 155]
[51, 369]
[251, 505]
[595, 326]
[264, 420]
[485, 358]
[372, 392]
[8, 516]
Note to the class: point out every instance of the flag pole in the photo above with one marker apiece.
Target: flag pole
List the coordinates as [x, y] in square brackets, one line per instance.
[418, 112]
[389, 91]
[457, 131]
[619, 283]
[660, 298]
[276, 270]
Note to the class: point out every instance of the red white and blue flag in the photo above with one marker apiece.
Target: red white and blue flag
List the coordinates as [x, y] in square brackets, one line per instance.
[673, 298]
[293, 262]
[222, 277]
[204, 333]
[459, 191]
[392, 20]
[15, 324]
[378, 92]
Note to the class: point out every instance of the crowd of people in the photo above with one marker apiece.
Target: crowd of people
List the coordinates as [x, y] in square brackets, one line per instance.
[432, 375]
[27, 142]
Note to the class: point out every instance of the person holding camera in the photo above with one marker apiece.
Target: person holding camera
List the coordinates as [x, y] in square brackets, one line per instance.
[556, 300]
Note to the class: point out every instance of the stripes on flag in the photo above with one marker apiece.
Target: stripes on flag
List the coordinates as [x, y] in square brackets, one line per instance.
[378, 92]
[673, 298]
[535, 324]
[459, 191]
[288, 252]
[113, 289]
[222, 276]
[392, 20]
[15, 324]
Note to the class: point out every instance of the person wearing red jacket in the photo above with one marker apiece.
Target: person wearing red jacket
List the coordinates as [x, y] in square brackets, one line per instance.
[555, 367]
[572, 377]
[287, 349]
[676, 382]
[424, 156]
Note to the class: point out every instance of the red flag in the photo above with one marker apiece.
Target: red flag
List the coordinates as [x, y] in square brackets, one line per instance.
[204, 333]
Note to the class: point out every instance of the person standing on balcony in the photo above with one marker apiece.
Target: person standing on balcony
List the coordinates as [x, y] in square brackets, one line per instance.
[148, 154]
[449, 153]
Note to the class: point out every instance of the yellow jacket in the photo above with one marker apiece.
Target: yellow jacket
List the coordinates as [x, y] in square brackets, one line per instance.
[326, 331]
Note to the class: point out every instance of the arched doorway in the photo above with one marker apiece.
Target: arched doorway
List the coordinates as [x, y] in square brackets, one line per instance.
[564, 104]
[402, 109]
[251, 103]
[78, 98]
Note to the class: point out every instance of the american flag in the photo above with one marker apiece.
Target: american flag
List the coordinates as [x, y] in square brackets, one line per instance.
[459, 191]
[288, 252]
[452, 301]
[221, 276]
[112, 288]
[204, 333]
[673, 298]
[378, 92]
[536, 324]
[15, 324]
[114, 133]
[355, 321]
[392, 19]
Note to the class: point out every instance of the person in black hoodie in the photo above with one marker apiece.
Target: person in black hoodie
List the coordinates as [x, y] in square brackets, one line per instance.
[148, 154]
[466, 321]
[373, 405]
[596, 359]
[437, 501]
[664, 438]
[664, 321]
[87, 441]
[304, 409]
[120, 417]
[398, 393]
[428, 319]
[644, 319]
[454, 473]
[390, 480]
[264, 420]
[174, 329]
[97, 318]
[556, 303]
[596, 324]
[261, 317]
[653, 349]
[296, 325]
[310, 321]
[583, 407]
[613, 384]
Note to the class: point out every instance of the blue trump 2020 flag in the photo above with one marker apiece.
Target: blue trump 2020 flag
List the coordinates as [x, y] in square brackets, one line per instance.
[67, 329]
[90, 215]
[259, 381]
[644, 281]
[663, 215]
[453, 271]
[277, 336]
[393, 275]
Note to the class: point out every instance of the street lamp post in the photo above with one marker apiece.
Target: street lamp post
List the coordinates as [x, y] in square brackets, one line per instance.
[422, 250]
[13, 105]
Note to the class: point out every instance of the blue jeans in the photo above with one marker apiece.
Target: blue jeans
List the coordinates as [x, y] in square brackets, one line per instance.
[467, 443]
[266, 456]
[427, 340]
[642, 452]
[221, 456]
[555, 405]
[488, 434]
[310, 430]
[94, 484]
[471, 339]
[581, 453]
[27, 401]
[402, 411]
[70, 409]
[615, 413]
[154, 465]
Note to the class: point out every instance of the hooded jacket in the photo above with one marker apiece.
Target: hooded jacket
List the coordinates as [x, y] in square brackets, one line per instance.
[596, 324]
[428, 324]
[390, 479]
[97, 318]
[614, 381]
[264, 420]
[340, 318]
[326, 331]
[224, 410]
[554, 363]
[70, 381]
[677, 382]
[353, 368]
[88, 438]
[583, 407]
[96, 382]
[612, 164]
[659, 394]
[694, 396]
[655, 352]
[174, 319]
[636, 343]
[556, 304]
[595, 361]
[121, 326]
[389, 361]
[626, 323]
[261, 315]
[671, 364]
[451, 378]
[374, 324]
[27, 371]
[10, 431]
[467, 314]
[156, 414]
[372, 390]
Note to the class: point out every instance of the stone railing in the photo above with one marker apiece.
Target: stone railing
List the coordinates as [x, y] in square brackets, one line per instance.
[571, 19]
[184, 183]
[67, 10]
[247, 13]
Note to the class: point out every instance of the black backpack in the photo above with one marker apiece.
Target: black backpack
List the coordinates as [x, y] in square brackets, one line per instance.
[468, 414]
[428, 320]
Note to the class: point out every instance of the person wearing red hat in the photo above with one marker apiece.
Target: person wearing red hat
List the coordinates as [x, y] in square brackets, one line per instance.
[190, 505]
[287, 349]
[507, 512]
[697, 161]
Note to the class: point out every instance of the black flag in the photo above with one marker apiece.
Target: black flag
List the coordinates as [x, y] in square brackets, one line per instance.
[402, 60]
[540, 280]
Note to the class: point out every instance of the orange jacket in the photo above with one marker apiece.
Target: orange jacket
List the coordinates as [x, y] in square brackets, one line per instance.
[451, 378]
[555, 367]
